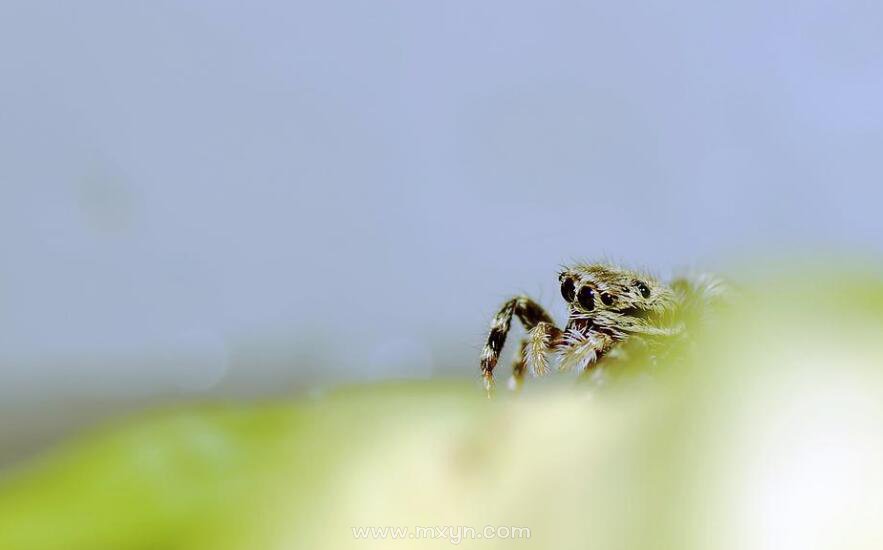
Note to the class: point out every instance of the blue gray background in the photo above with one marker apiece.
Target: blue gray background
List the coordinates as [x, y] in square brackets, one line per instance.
[210, 198]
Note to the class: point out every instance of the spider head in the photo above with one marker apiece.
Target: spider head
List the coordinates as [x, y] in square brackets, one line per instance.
[615, 300]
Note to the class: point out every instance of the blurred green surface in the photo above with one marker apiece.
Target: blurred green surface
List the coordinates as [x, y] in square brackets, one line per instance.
[766, 435]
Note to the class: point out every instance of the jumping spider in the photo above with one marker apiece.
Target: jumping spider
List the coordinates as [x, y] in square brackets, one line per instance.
[608, 305]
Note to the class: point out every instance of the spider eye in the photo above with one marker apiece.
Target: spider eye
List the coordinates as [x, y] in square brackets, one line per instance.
[586, 298]
[607, 299]
[567, 290]
[643, 289]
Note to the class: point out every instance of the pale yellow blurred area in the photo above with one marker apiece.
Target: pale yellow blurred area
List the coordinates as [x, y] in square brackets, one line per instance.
[770, 439]
[768, 436]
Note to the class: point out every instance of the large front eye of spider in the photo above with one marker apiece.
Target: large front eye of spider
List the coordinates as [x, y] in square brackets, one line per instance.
[586, 298]
[643, 289]
[568, 290]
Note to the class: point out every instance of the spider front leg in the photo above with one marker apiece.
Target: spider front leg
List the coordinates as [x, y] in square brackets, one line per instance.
[533, 354]
[528, 312]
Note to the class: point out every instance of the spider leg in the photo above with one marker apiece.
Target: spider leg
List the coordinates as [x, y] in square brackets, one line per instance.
[533, 352]
[528, 312]
[519, 365]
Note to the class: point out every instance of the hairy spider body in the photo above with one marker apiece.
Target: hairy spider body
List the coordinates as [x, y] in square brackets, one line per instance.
[607, 306]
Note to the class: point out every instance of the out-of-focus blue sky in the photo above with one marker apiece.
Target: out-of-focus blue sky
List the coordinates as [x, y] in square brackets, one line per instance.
[205, 195]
